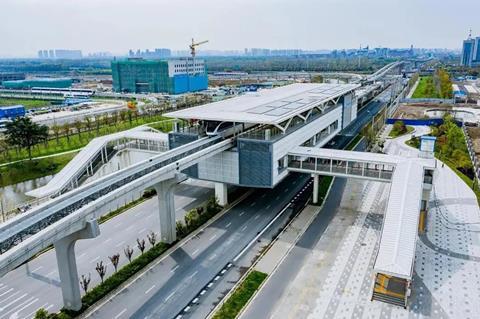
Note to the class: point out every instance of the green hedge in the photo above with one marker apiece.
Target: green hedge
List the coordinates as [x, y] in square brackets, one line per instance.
[241, 296]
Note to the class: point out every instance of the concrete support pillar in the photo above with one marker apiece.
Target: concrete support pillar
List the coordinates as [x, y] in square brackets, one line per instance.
[221, 193]
[67, 266]
[315, 189]
[166, 207]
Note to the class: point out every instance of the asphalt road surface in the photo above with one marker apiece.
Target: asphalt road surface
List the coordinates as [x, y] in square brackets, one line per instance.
[36, 284]
[168, 286]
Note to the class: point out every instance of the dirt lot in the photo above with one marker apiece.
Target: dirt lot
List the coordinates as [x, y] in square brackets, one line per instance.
[417, 110]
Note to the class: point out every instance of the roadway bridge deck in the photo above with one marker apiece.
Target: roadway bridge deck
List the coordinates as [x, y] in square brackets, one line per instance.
[95, 154]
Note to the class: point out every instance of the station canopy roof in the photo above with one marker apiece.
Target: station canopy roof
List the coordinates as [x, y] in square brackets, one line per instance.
[272, 106]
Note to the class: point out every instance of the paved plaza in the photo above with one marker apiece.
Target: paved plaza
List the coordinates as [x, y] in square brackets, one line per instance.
[337, 278]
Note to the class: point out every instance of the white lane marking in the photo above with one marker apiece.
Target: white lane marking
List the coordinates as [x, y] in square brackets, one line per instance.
[130, 227]
[34, 312]
[244, 227]
[175, 268]
[212, 257]
[192, 275]
[149, 289]
[94, 259]
[23, 305]
[241, 213]
[268, 206]
[228, 225]
[81, 255]
[195, 252]
[170, 295]
[253, 204]
[120, 244]
[141, 230]
[6, 292]
[121, 313]
[213, 237]
[50, 274]
[264, 194]
[117, 225]
[13, 301]
[256, 216]
[37, 269]
[107, 240]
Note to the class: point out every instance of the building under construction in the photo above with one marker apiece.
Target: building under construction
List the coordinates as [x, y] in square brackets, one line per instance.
[159, 76]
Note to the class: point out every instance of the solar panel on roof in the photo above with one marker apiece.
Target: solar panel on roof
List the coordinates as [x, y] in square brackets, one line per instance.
[260, 109]
[278, 111]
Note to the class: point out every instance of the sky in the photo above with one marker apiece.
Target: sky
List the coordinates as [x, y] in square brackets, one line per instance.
[119, 25]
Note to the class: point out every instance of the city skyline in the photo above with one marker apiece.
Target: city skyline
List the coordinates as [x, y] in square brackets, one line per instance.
[116, 26]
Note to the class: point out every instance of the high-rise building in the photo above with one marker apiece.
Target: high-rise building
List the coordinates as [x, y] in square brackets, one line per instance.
[471, 51]
[68, 54]
[159, 76]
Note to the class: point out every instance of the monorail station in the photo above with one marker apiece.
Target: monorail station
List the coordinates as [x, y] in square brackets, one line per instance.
[266, 125]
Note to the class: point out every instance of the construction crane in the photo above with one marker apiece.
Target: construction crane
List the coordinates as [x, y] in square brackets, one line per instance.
[194, 45]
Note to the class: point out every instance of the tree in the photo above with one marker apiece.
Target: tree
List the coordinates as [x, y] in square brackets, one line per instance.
[317, 79]
[56, 131]
[115, 260]
[152, 238]
[141, 245]
[128, 253]
[66, 131]
[369, 134]
[101, 270]
[399, 127]
[41, 314]
[84, 282]
[22, 132]
[78, 126]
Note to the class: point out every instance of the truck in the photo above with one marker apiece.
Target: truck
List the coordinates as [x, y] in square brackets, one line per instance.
[11, 112]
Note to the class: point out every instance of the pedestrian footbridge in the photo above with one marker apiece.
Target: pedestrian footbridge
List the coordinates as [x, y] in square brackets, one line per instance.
[97, 153]
[411, 182]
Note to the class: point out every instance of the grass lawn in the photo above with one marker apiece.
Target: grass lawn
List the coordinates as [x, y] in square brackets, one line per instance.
[27, 170]
[28, 103]
[241, 296]
[76, 141]
[425, 89]
[394, 133]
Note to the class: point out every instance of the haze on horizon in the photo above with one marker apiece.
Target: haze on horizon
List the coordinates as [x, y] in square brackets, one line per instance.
[119, 25]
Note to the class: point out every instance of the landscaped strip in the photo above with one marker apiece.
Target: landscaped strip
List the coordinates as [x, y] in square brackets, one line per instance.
[241, 296]
[196, 218]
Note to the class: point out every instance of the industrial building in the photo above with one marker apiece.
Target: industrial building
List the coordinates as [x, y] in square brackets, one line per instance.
[159, 76]
[58, 83]
[471, 52]
[11, 112]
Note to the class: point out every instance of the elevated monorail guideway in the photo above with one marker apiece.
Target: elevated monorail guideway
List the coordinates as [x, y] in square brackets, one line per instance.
[19, 228]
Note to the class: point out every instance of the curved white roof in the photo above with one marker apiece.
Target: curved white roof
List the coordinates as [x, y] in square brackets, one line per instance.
[270, 106]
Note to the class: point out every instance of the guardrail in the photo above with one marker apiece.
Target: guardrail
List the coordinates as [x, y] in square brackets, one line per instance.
[473, 155]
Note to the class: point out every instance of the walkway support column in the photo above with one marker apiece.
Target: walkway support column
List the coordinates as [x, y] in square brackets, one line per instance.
[315, 189]
[67, 266]
[166, 207]
[221, 193]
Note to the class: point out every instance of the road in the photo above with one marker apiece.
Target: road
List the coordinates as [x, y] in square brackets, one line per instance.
[165, 289]
[36, 284]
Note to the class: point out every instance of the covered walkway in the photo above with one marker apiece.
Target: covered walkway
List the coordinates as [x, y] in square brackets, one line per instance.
[98, 152]
[411, 180]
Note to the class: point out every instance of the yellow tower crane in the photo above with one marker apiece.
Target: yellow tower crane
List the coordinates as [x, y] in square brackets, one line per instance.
[194, 45]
